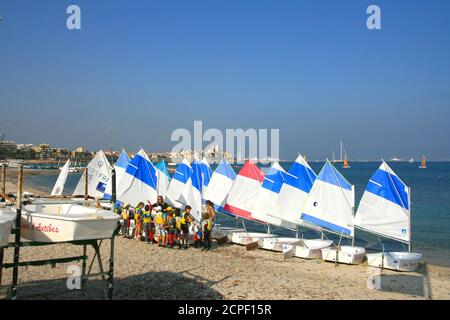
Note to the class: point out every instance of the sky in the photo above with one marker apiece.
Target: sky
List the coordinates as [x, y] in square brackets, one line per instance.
[309, 68]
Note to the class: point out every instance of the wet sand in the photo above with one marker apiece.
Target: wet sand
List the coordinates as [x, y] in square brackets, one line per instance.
[144, 271]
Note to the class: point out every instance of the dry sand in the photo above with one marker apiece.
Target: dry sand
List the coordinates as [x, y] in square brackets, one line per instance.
[145, 271]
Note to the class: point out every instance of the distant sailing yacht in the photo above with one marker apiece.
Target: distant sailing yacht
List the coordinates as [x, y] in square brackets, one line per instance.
[423, 163]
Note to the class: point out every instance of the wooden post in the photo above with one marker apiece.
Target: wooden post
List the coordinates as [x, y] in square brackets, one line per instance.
[111, 271]
[17, 238]
[3, 180]
[86, 192]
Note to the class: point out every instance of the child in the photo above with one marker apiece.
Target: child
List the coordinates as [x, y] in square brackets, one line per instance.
[159, 225]
[125, 214]
[207, 228]
[184, 222]
[147, 220]
[171, 225]
[138, 221]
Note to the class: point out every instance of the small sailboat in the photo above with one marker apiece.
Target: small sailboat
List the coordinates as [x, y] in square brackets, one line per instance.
[291, 200]
[385, 210]
[61, 181]
[220, 185]
[423, 163]
[267, 209]
[139, 182]
[99, 174]
[346, 164]
[330, 205]
[62, 222]
[120, 167]
[241, 201]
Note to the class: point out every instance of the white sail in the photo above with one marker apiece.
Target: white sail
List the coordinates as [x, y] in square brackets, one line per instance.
[61, 181]
[384, 208]
[220, 185]
[266, 208]
[177, 193]
[330, 202]
[99, 174]
[120, 167]
[295, 189]
[139, 181]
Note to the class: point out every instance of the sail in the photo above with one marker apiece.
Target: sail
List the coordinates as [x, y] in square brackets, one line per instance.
[206, 173]
[138, 184]
[330, 202]
[61, 181]
[119, 167]
[384, 207]
[194, 191]
[220, 185]
[99, 174]
[163, 178]
[177, 193]
[266, 208]
[241, 199]
[295, 189]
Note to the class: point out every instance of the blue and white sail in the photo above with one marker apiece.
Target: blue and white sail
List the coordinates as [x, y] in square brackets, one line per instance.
[120, 167]
[220, 185]
[298, 182]
[163, 177]
[139, 182]
[177, 194]
[61, 181]
[266, 208]
[194, 191]
[206, 174]
[330, 203]
[385, 207]
[99, 175]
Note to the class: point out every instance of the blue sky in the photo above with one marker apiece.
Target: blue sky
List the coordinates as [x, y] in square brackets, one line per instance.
[310, 68]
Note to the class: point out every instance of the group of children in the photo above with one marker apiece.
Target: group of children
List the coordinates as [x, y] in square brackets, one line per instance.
[167, 226]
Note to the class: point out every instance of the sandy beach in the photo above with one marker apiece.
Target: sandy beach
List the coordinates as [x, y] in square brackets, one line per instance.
[144, 271]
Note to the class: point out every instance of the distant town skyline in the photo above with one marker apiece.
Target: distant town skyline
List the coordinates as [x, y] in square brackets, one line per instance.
[311, 69]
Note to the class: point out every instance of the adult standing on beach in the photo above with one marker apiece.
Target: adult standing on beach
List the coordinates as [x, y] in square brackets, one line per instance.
[160, 205]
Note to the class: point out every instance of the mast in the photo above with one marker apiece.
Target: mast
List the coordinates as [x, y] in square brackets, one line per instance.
[340, 145]
[409, 219]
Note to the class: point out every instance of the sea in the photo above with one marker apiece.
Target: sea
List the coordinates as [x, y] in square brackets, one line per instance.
[430, 206]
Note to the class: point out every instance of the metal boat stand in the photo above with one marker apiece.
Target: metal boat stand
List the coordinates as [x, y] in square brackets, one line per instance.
[107, 276]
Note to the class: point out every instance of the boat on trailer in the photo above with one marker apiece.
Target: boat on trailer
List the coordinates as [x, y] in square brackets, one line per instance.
[385, 211]
[65, 221]
[330, 205]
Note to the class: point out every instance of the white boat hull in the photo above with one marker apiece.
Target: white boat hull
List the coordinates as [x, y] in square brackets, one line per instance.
[346, 255]
[277, 243]
[6, 222]
[399, 261]
[244, 238]
[310, 248]
[66, 222]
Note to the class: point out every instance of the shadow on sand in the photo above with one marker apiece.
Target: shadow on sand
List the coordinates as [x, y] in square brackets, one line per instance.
[417, 284]
[150, 285]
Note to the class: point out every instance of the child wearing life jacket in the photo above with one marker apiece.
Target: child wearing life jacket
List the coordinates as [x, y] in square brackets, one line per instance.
[147, 220]
[184, 223]
[138, 221]
[125, 214]
[171, 226]
[159, 226]
[177, 234]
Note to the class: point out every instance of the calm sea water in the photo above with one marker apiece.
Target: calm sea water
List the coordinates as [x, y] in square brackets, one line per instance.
[430, 205]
